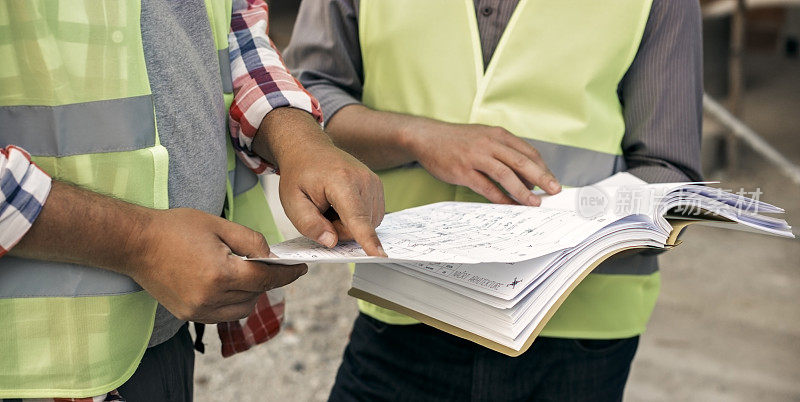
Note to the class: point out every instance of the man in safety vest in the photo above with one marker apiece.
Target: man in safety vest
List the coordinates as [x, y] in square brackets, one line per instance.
[482, 100]
[116, 172]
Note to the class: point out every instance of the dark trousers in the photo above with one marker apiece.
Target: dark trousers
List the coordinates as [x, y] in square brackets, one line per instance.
[419, 363]
[165, 373]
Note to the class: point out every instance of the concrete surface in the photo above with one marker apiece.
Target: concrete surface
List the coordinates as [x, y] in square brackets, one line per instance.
[726, 327]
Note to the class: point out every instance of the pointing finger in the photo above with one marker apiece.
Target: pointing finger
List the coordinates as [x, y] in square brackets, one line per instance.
[357, 217]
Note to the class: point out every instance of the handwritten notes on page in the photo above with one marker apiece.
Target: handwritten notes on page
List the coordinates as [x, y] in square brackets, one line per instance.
[456, 232]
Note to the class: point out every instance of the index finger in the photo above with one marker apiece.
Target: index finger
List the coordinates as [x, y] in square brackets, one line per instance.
[360, 217]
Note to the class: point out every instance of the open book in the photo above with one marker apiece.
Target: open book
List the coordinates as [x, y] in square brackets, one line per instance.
[495, 274]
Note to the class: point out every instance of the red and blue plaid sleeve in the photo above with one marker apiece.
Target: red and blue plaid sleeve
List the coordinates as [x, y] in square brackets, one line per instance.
[261, 82]
[261, 325]
[23, 190]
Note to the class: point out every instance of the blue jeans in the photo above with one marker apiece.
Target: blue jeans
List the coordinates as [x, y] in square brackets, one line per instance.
[419, 363]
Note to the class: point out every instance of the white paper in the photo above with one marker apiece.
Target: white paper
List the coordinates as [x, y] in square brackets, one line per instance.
[456, 232]
[475, 233]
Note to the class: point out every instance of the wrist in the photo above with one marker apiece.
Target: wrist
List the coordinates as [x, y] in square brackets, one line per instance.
[410, 136]
[140, 239]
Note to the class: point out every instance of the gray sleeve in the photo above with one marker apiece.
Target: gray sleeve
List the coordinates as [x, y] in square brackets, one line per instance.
[325, 54]
[662, 96]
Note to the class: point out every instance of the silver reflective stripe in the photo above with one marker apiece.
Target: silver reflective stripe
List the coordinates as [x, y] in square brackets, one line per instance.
[32, 278]
[113, 125]
[243, 178]
[642, 263]
[225, 70]
[575, 167]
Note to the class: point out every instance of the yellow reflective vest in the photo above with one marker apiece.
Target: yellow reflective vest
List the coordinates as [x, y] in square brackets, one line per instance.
[76, 95]
[552, 81]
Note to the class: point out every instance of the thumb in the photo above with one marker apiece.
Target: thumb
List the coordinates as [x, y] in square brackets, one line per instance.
[244, 241]
[309, 221]
[253, 276]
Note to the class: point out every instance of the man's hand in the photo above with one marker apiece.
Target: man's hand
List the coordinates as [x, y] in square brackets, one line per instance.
[478, 157]
[183, 257]
[327, 177]
[485, 159]
[317, 176]
[190, 262]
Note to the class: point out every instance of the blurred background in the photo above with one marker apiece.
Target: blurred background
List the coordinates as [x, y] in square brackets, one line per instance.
[727, 323]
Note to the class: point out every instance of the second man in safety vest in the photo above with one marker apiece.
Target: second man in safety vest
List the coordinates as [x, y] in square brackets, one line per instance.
[481, 100]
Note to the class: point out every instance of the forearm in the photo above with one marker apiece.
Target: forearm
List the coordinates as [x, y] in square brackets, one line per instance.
[381, 140]
[83, 227]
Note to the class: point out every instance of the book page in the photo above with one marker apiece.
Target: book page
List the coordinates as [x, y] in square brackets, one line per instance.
[457, 232]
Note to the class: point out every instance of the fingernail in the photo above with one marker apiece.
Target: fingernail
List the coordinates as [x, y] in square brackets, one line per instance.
[272, 255]
[533, 200]
[327, 239]
[381, 252]
[554, 186]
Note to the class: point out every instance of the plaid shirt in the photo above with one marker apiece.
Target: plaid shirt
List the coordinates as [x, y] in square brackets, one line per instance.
[23, 190]
[261, 83]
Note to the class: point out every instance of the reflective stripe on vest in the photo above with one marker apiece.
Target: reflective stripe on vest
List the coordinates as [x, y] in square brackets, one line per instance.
[127, 124]
[576, 167]
[219, 16]
[56, 279]
[225, 70]
[552, 80]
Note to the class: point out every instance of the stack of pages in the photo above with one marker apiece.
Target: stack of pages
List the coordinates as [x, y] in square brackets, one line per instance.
[495, 274]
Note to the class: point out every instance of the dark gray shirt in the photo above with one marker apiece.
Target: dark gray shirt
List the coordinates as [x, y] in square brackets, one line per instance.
[661, 93]
[183, 69]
